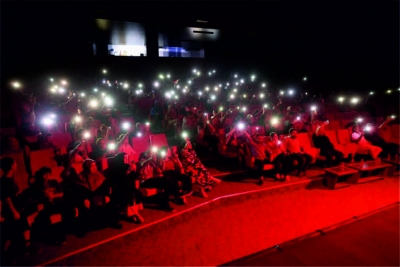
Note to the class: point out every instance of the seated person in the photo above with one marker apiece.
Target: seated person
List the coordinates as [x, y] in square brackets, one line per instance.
[150, 176]
[92, 197]
[363, 146]
[322, 142]
[123, 145]
[260, 152]
[192, 166]
[100, 152]
[279, 157]
[207, 135]
[173, 171]
[78, 154]
[296, 152]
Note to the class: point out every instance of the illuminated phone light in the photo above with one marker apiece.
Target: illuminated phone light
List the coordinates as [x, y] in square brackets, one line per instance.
[139, 134]
[86, 135]
[111, 146]
[265, 105]
[240, 126]
[163, 153]
[185, 135]
[298, 118]
[313, 108]
[274, 121]
[261, 95]
[221, 108]
[359, 119]
[126, 125]
[263, 85]
[78, 119]
[341, 99]
[82, 94]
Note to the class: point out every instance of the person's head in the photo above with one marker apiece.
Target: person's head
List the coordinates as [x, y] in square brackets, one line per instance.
[79, 134]
[293, 133]
[8, 165]
[101, 144]
[49, 138]
[89, 166]
[259, 138]
[274, 136]
[42, 175]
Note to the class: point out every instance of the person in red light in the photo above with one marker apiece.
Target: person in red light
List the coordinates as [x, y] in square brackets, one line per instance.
[296, 152]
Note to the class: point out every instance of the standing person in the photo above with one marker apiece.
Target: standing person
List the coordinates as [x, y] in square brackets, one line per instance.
[327, 149]
[13, 210]
[296, 152]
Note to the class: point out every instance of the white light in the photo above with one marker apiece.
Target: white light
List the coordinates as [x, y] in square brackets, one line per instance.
[371, 93]
[253, 77]
[86, 135]
[126, 125]
[78, 119]
[227, 84]
[178, 86]
[215, 88]
[163, 153]
[147, 123]
[398, 89]
[200, 93]
[241, 81]
[389, 91]
[61, 90]
[313, 108]
[156, 84]
[95, 90]
[232, 96]
[104, 71]
[64, 82]
[126, 85]
[341, 99]
[93, 103]
[167, 95]
[209, 73]
[185, 135]
[359, 119]
[16, 85]
[51, 80]
[298, 118]
[103, 94]
[161, 76]
[109, 85]
[235, 90]
[212, 97]
[244, 96]
[213, 71]
[220, 85]
[140, 85]
[198, 73]
[52, 115]
[194, 70]
[354, 100]
[265, 105]
[139, 134]
[82, 94]
[263, 85]
[221, 108]
[393, 116]
[111, 146]
[282, 92]
[108, 101]
[237, 83]
[189, 82]
[184, 91]
[207, 88]
[368, 128]
[274, 121]
[261, 95]
[235, 75]
[290, 92]
[240, 126]
[244, 108]
[104, 81]
[305, 79]
[168, 76]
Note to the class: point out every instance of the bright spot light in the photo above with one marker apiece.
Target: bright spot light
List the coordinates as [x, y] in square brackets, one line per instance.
[200, 93]
[126, 125]
[209, 73]
[265, 105]
[368, 128]
[263, 85]
[47, 121]
[78, 119]
[108, 101]
[126, 86]
[104, 71]
[185, 135]
[241, 81]
[359, 119]
[163, 153]
[140, 85]
[213, 71]
[240, 126]
[64, 82]
[104, 81]
[244, 108]
[354, 100]
[156, 84]
[51, 80]
[82, 94]
[207, 88]
[16, 85]
[393, 116]
[194, 70]
[305, 79]
[93, 103]
[235, 75]
[235, 90]
[189, 82]
[86, 135]
[139, 134]
[282, 93]
[227, 84]
[232, 96]
[61, 90]
[290, 92]
[147, 123]
[168, 76]
[198, 73]
[261, 95]
[237, 83]
[253, 77]
[161, 76]
[298, 118]
[313, 108]
[212, 97]
[244, 96]
[274, 121]
[341, 99]
[389, 91]
[111, 146]
[221, 108]
[215, 88]
[52, 115]
[371, 93]
[95, 90]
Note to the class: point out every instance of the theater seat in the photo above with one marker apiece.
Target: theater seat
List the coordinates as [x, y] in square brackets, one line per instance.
[344, 139]
[395, 134]
[41, 158]
[140, 144]
[158, 140]
[305, 142]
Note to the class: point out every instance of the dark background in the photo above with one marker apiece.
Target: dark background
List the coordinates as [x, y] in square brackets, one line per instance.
[338, 45]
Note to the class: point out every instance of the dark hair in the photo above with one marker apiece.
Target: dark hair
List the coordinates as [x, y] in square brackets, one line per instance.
[39, 175]
[291, 130]
[86, 164]
[6, 164]
[98, 140]
[271, 134]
